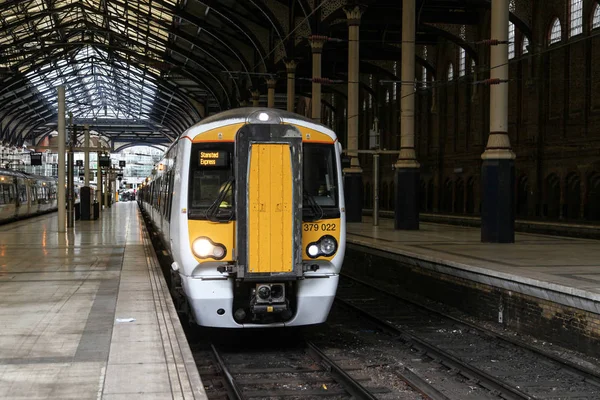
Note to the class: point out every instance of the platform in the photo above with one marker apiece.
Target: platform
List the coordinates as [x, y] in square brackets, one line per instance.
[65, 300]
[547, 280]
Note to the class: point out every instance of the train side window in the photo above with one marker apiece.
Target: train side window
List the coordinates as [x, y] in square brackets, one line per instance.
[12, 194]
[319, 174]
[22, 193]
[4, 193]
[165, 191]
[170, 194]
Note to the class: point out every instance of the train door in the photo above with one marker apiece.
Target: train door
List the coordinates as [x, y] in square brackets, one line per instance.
[34, 205]
[22, 198]
[9, 189]
[7, 200]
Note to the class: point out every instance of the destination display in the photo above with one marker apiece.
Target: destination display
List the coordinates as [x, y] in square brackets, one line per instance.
[215, 158]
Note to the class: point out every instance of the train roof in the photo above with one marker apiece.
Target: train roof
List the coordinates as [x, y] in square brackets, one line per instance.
[236, 115]
[244, 112]
[24, 175]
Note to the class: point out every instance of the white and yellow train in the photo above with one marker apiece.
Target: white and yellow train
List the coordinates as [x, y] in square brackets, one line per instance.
[249, 204]
[23, 195]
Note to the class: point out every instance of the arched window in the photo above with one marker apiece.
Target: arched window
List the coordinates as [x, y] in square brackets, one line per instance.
[332, 113]
[555, 35]
[511, 40]
[525, 47]
[596, 17]
[424, 77]
[576, 12]
[395, 84]
[462, 56]
[371, 86]
[450, 72]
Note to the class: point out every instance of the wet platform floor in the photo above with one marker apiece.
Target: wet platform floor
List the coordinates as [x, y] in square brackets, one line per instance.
[86, 314]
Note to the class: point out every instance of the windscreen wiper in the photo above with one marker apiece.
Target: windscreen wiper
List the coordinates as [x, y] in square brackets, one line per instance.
[212, 212]
[314, 207]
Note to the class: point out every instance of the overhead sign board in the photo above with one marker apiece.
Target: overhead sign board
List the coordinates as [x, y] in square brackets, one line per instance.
[104, 161]
[36, 158]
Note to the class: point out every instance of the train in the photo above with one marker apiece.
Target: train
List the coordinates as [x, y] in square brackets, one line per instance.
[249, 206]
[24, 195]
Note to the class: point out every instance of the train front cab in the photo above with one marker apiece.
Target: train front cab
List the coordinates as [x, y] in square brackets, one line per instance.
[261, 192]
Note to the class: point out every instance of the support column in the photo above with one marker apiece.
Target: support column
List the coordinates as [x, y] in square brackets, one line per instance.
[62, 138]
[406, 176]
[316, 44]
[99, 178]
[99, 185]
[353, 185]
[290, 67]
[70, 183]
[498, 169]
[255, 98]
[271, 92]
[106, 187]
[86, 154]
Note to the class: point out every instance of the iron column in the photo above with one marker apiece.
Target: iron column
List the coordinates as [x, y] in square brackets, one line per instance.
[353, 176]
[255, 98]
[498, 168]
[316, 44]
[291, 85]
[87, 156]
[62, 138]
[271, 92]
[406, 176]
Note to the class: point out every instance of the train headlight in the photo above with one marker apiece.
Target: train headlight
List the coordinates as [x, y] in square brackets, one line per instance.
[203, 247]
[328, 245]
[264, 117]
[313, 250]
[325, 246]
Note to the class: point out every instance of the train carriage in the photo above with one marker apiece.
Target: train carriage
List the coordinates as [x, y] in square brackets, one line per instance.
[23, 194]
[249, 203]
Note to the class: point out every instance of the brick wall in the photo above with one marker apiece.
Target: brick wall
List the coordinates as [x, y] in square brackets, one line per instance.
[554, 112]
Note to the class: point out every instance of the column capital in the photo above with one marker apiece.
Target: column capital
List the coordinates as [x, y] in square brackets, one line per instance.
[255, 94]
[317, 42]
[271, 82]
[498, 147]
[353, 14]
[290, 66]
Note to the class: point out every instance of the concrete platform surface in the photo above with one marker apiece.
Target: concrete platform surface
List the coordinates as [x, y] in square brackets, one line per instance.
[87, 315]
[560, 269]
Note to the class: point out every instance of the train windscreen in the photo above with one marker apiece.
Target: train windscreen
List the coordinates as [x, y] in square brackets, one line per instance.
[320, 179]
[211, 179]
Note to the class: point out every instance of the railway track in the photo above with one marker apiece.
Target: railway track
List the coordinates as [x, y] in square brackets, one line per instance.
[300, 372]
[503, 367]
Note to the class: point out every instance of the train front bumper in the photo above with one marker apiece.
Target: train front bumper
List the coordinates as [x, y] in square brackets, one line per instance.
[211, 301]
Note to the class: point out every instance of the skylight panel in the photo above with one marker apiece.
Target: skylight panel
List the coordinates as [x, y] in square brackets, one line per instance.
[98, 83]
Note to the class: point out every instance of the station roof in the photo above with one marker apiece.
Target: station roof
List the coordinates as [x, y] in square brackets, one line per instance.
[145, 70]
